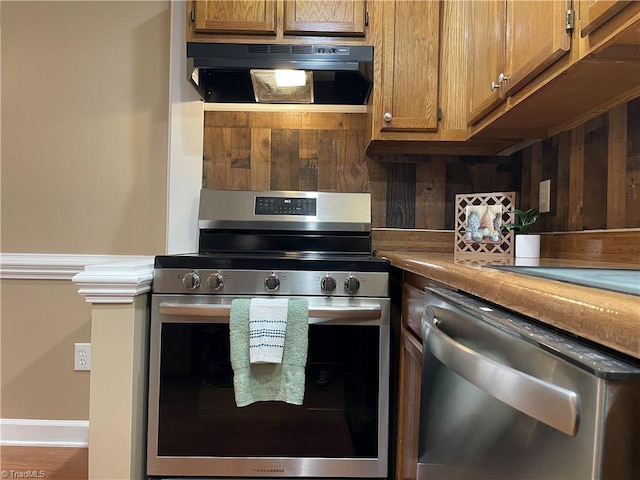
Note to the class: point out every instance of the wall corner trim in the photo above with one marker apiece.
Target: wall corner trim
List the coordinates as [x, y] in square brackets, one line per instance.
[44, 433]
[115, 282]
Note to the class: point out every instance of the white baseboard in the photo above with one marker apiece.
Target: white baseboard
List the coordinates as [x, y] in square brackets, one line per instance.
[44, 433]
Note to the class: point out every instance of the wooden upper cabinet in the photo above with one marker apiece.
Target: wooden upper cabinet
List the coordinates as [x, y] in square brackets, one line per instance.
[486, 43]
[247, 17]
[605, 24]
[598, 12]
[325, 17]
[419, 100]
[280, 18]
[410, 66]
[510, 43]
[536, 37]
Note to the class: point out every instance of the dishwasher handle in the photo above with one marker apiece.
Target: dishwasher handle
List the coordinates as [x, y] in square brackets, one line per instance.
[550, 404]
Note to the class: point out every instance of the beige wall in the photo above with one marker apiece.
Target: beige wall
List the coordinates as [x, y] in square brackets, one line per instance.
[41, 320]
[85, 95]
[84, 105]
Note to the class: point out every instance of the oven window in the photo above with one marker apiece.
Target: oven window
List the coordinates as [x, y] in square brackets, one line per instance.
[198, 415]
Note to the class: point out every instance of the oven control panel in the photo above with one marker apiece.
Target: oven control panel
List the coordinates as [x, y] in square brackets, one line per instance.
[268, 282]
[285, 206]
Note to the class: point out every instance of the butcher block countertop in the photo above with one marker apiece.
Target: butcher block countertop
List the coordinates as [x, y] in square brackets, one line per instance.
[605, 317]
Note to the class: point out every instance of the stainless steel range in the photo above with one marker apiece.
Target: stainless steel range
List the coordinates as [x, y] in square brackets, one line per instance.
[314, 246]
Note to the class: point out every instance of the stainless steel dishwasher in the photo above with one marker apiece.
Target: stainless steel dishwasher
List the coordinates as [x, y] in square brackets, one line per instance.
[505, 398]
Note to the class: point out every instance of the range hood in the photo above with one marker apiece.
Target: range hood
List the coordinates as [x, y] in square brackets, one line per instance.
[246, 73]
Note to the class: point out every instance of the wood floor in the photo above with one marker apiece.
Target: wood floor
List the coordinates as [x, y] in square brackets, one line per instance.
[44, 462]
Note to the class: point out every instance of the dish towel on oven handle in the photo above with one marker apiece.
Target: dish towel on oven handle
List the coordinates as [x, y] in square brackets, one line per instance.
[267, 328]
[261, 382]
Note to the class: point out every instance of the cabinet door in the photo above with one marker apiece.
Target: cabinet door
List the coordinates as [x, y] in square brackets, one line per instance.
[322, 17]
[599, 11]
[409, 406]
[246, 17]
[536, 37]
[410, 66]
[486, 49]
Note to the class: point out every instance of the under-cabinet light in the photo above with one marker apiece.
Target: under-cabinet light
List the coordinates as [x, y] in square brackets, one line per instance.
[291, 78]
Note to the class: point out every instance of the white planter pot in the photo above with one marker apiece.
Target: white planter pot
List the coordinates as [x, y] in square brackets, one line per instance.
[527, 246]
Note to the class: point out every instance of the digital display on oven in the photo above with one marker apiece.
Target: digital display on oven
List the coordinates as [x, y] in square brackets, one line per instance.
[285, 206]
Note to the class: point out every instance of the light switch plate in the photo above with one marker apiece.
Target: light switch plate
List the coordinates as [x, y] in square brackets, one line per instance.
[545, 196]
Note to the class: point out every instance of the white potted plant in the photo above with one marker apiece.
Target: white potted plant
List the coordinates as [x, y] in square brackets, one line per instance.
[527, 244]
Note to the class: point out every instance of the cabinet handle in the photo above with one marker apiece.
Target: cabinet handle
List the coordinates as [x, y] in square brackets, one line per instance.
[501, 78]
[388, 117]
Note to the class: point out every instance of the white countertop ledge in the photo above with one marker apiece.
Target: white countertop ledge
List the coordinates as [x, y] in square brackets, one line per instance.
[117, 283]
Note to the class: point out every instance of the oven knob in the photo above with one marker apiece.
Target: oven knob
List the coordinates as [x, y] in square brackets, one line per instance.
[215, 281]
[272, 282]
[191, 280]
[351, 284]
[328, 284]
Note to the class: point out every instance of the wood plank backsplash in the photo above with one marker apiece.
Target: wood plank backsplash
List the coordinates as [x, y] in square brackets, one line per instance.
[594, 171]
[325, 152]
[594, 168]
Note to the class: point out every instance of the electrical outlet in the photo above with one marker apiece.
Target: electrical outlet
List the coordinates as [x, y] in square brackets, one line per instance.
[82, 356]
[545, 196]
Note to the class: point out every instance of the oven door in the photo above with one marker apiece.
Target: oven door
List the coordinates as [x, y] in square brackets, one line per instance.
[196, 429]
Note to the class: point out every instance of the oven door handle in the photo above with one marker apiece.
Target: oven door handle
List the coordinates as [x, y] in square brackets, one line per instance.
[361, 312]
[548, 403]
